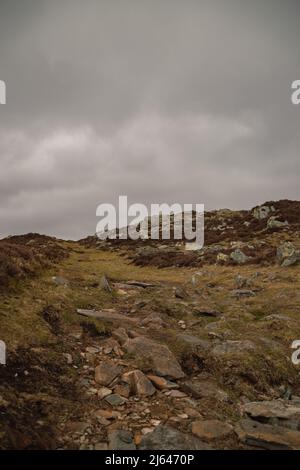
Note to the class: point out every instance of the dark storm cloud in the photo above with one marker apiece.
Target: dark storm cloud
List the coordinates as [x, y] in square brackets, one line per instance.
[165, 101]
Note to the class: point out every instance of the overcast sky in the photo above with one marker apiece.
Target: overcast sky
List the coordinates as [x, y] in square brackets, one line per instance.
[183, 101]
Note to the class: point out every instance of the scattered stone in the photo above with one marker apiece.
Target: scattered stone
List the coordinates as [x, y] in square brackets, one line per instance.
[204, 389]
[153, 320]
[176, 394]
[206, 313]
[211, 429]
[222, 258]
[168, 438]
[233, 347]
[182, 324]
[154, 356]
[121, 440]
[267, 437]
[115, 400]
[140, 384]
[92, 350]
[60, 281]
[144, 285]
[161, 383]
[120, 335]
[104, 392]
[238, 256]
[68, 358]
[101, 446]
[106, 372]
[122, 389]
[107, 414]
[242, 293]
[180, 293]
[191, 412]
[147, 431]
[242, 282]
[274, 223]
[104, 284]
[77, 427]
[109, 315]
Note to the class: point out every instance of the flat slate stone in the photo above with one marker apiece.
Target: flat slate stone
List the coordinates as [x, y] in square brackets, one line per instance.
[167, 438]
[267, 437]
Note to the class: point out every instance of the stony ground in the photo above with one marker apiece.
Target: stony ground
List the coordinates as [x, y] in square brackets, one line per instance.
[103, 353]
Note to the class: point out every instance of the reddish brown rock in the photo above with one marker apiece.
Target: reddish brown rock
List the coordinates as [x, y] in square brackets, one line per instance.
[211, 429]
[106, 372]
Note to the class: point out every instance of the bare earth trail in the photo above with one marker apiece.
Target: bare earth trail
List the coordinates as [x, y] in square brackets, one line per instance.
[105, 354]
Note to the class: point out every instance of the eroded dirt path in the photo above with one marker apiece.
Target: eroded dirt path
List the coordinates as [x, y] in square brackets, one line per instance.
[179, 360]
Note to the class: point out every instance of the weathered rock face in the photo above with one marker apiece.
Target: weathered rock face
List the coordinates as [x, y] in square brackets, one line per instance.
[268, 437]
[238, 256]
[211, 429]
[287, 255]
[262, 212]
[168, 438]
[154, 356]
[106, 372]
[281, 412]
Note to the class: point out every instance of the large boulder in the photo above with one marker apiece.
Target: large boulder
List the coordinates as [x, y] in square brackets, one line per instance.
[154, 356]
[262, 212]
[287, 254]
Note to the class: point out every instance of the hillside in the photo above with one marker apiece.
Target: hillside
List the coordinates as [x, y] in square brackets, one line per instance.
[126, 345]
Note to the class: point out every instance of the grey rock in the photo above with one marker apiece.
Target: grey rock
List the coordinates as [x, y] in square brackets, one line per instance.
[233, 347]
[121, 440]
[238, 256]
[274, 223]
[167, 438]
[60, 281]
[154, 356]
[281, 412]
[204, 389]
[106, 372]
[287, 254]
[242, 293]
[115, 400]
[262, 212]
[194, 342]
[104, 284]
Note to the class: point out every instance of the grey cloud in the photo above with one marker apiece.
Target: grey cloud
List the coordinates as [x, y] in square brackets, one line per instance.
[165, 101]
